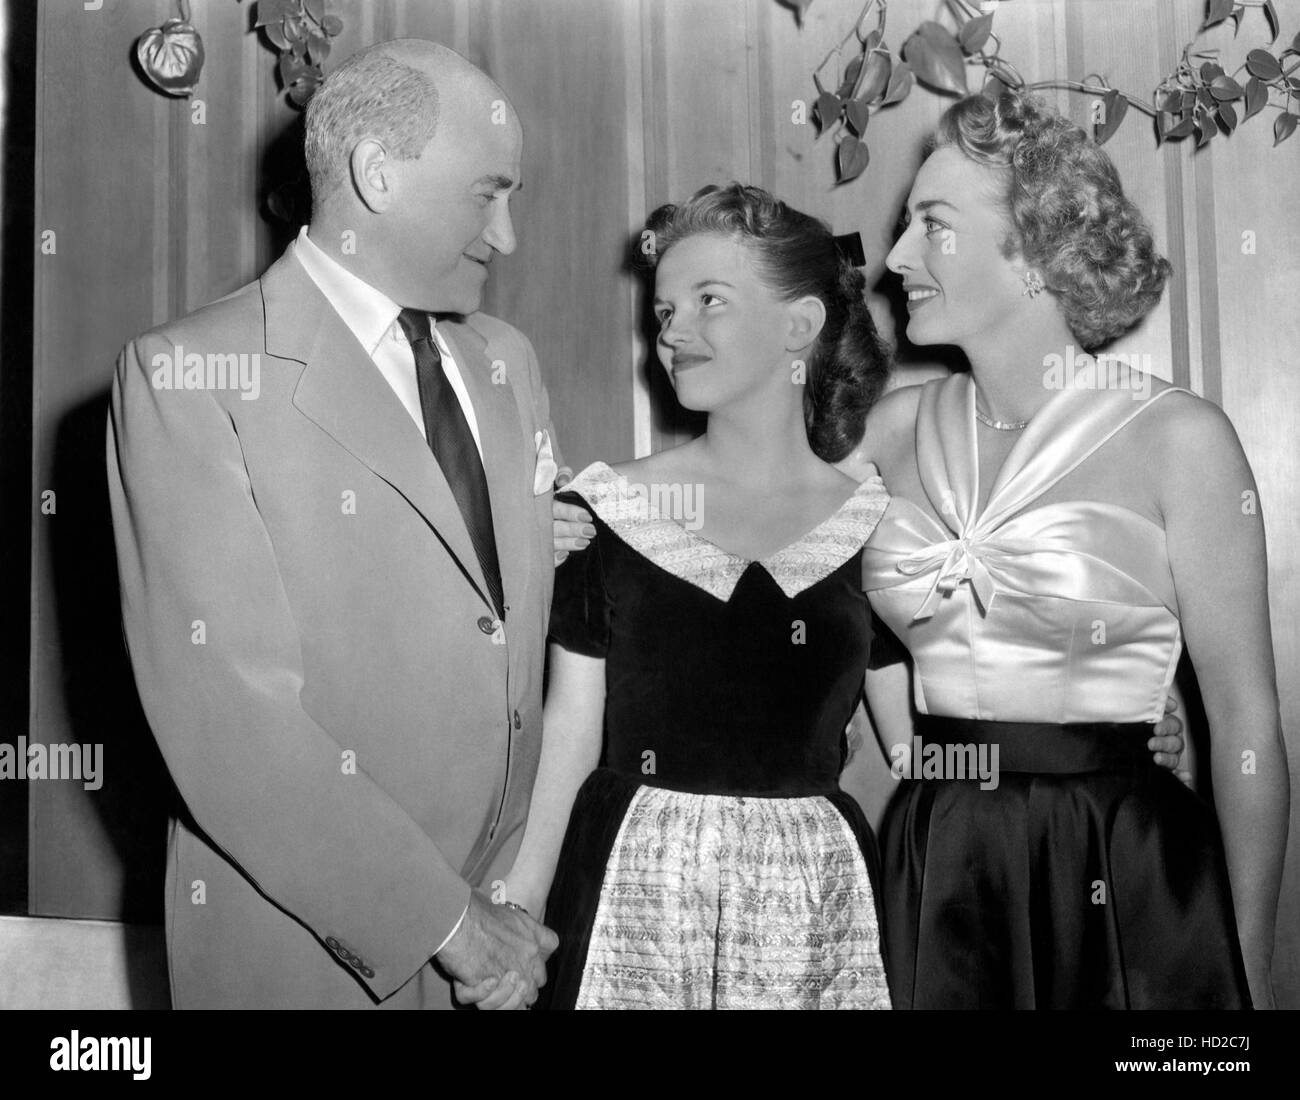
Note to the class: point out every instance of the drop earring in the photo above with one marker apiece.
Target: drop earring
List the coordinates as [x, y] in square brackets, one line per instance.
[1033, 283]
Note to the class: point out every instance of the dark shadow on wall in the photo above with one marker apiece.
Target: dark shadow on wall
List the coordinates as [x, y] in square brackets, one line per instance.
[16, 503]
[98, 687]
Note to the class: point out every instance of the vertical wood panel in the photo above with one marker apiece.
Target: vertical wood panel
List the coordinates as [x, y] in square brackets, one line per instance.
[564, 286]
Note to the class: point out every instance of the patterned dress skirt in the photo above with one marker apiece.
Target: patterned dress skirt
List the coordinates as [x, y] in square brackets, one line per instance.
[672, 899]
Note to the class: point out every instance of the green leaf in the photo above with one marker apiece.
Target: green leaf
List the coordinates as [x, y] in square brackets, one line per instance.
[1295, 43]
[315, 8]
[876, 78]
[1256, 97]
[1173, 102]
[900, 83]
[293, 30]
[274, 11]
[318, 47]
[1271, 13]
[292, 67]
[1263, 64]
[856, 114]
[1218, 11]
[331, 25]
[1210, 70]
[1227, 117]
[827, 109]
[871, 41]
[1181, 129]
[1237, 13]
[975, 32]
[936, 58]
[1225, 89]
[851, 159]
[1116, 107]
[1205, 98]
[1284, 126]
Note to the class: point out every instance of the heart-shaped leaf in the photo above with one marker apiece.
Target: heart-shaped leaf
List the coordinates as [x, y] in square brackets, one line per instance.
[1209, 70]
[275, 32]
[875, 77]
[315, 8]
[302, 90]
[1270, 13]
[331, 25]
[274, 11]
[1256, 97]
[1219, 10]
[1263, 64]
[1181, 129]
[851, 159]
[850, 81]
[1115, 107]
[975, 32]
[1284, 127]
[856, 114]
[1236, 15]
[870, 40]
[1205, 129]
[1172, 102]
[1205, 98]
[1225, 89]
[900, 83]
[936, 58]
[318, 47]
[292, 67]
[827, 109]
[1227, 117]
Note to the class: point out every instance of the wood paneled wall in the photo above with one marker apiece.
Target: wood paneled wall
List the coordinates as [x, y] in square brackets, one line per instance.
[625, 104]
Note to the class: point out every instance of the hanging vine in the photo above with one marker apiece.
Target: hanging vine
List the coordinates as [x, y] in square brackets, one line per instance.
[1198, 99]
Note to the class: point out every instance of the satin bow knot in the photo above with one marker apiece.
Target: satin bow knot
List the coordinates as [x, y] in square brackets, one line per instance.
[954, 561]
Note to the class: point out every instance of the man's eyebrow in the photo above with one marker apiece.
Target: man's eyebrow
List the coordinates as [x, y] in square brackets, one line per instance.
[497, 183]
[701, 285]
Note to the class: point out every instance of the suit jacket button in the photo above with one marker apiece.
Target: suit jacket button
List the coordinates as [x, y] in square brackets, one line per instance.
[366, 972]
[487, 625]
[519, 722]
[331, 943]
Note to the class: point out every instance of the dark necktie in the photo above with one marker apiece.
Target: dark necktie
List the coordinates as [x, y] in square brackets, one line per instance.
[448, 434]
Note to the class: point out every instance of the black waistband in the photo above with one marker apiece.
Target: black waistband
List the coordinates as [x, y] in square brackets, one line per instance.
[1047, 747]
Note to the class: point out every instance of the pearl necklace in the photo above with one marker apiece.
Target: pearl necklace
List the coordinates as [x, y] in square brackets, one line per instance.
[1007, 426]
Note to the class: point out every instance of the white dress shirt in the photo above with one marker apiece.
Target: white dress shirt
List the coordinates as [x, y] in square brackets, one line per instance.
[372, 318]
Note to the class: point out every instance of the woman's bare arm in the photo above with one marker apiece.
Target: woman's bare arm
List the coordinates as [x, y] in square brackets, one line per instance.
[572, 722]
[1215, 532]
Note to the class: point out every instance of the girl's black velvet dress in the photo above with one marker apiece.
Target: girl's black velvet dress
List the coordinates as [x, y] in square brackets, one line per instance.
[713, 861]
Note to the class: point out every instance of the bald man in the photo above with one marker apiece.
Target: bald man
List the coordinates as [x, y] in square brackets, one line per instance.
[331, 497]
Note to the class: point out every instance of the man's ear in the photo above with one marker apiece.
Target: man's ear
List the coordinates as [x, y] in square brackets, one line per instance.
[807, 316]
[372, 175]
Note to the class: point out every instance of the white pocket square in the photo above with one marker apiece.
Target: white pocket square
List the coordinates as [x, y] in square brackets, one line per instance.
[546, 471]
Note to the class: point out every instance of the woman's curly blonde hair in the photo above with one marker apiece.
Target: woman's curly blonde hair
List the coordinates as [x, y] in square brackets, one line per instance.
[1067, 210]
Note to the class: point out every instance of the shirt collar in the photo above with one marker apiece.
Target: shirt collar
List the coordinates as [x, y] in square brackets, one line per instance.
[368, 312]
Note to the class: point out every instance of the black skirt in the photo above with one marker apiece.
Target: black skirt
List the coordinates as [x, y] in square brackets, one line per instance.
[1087, 878]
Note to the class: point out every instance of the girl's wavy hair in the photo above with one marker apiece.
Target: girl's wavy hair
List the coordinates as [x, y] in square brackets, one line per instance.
[796, 255]
[1066, 208]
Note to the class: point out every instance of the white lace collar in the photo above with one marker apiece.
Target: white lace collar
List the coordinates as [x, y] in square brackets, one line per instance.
[629, 512]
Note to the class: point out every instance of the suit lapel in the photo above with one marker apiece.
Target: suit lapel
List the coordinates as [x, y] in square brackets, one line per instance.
[342, 391]
[506, 459]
